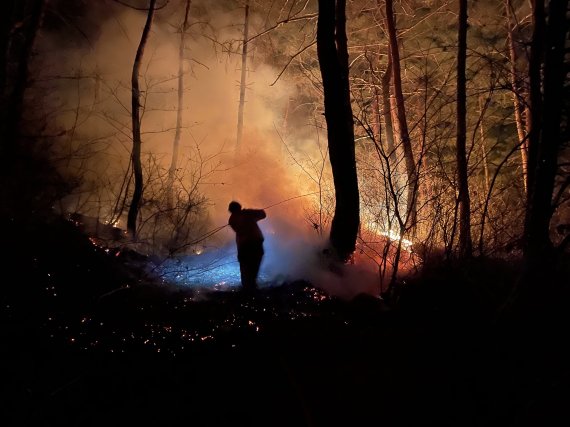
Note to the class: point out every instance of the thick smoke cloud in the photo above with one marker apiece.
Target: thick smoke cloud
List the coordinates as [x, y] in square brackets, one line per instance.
[90, 93]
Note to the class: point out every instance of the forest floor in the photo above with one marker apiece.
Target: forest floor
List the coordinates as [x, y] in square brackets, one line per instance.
[87, 339]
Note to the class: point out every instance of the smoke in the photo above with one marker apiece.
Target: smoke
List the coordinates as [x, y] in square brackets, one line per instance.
[89, 87]
[301, 256]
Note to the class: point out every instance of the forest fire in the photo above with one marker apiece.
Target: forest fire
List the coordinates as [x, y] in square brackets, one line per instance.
[395, 237]
[407, 162]
[379, 251]
[300, 258]
[190, 166]
[290, 255]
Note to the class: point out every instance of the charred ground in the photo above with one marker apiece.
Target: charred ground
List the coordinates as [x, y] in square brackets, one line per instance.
[91, 338]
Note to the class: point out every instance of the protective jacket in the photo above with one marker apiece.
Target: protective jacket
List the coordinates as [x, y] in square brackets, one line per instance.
[244, 223]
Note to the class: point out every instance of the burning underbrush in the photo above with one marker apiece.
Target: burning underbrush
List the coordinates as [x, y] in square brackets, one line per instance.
[95, 294]
[89, 297]
[291, 254]
[217, 269]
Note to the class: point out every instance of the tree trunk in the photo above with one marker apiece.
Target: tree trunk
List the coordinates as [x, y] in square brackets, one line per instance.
[179, 112]
[333, 60]
[484, 159]
[465, 242]
[517, 95]
[136, 122]
[6, 25]
[543, 122]
[393, 164]
[534, 238]
[243, 81]
[16, 83]
[411, 212]
[545, 130]
[388, 126]
[377, 123]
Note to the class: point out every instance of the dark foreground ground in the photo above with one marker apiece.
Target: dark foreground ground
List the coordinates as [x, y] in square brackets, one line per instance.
[87, 340]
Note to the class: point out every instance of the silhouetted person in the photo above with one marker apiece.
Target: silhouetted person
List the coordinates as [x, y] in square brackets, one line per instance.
[249, 240]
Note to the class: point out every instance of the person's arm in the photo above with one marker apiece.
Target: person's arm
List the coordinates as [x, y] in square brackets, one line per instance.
[256, 214]
[232, 221]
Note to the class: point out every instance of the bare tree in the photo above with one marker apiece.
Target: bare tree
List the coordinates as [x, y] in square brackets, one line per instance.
[386, 111]
[243, 81]
[517, 95]
[333, 60]
[136, 122]
[465, 242]
[546, 112]
[411, 214]
[178, 131]
[21, 24]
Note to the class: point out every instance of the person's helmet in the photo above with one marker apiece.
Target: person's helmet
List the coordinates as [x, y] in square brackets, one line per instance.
[234, 207]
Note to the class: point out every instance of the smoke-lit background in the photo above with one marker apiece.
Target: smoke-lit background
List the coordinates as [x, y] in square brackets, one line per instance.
[84, 81]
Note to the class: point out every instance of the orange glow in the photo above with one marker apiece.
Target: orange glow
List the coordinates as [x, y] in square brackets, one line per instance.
[376, 249]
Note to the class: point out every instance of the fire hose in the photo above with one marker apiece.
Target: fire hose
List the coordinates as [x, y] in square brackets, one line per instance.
[221, 227]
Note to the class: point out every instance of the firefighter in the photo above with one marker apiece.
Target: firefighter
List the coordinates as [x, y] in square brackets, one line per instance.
[249, 241]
